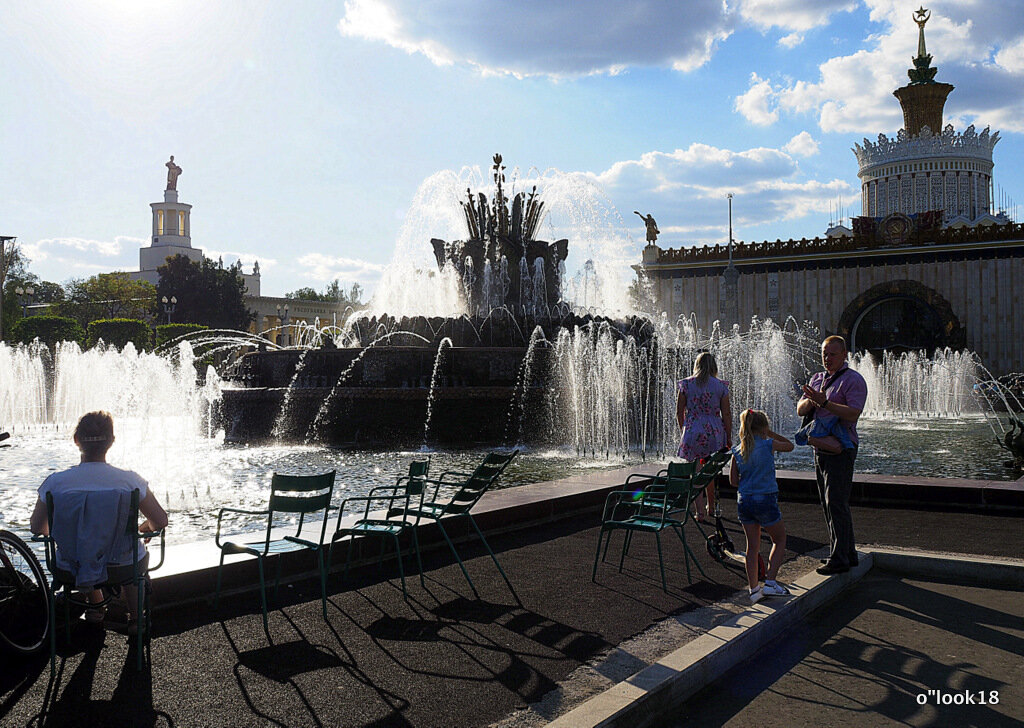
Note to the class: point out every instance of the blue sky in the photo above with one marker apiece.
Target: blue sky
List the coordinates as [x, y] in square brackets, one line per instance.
[305, 129]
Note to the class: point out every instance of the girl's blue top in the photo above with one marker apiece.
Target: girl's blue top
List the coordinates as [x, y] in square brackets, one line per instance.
[757, 476]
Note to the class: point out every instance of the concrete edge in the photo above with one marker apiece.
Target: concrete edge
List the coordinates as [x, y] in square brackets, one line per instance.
[987, 571]
[644, 698]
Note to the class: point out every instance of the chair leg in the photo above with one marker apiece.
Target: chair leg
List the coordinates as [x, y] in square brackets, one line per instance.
[263, 595]
[216, 594]
[661, 562]
[597, 556]
[493, 557]
[52, 618]
[688, 554]
[323, 579]
[419, 563]
[625, 547]
[456, 554]
[348, 555]
[143, 625]
[401, 569]
[277, 574]
[607, 543]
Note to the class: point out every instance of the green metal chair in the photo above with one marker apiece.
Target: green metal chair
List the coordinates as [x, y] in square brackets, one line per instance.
[135, 574]
[290, 495]
[470, 488]
[651, 510]
[406, 496]
[708, 471]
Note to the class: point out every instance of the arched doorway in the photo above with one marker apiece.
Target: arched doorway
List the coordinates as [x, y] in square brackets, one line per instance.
[901, 316]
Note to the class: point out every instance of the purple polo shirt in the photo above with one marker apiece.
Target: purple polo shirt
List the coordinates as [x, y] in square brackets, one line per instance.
[849, 389]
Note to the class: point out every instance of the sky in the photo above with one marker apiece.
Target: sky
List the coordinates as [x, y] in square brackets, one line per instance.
[307, 129]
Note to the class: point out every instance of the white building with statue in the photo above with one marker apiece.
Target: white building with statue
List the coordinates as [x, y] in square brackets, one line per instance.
[171, 235]
[929, 263]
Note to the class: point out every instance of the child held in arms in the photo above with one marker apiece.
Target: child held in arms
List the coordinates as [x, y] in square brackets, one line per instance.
[757, 499]
[825, 433]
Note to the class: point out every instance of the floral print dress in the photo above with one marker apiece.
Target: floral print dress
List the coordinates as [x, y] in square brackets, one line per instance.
[703, 429]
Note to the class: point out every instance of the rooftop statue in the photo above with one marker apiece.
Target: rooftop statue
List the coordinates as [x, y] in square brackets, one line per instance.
[652, 227]
[173, 171]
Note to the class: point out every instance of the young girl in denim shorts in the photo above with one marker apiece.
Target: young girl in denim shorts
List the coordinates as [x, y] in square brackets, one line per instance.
[757, 500]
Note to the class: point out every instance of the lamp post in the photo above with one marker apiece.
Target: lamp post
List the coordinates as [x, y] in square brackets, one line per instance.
[282, 314]
[169, 306]
[729, 196]
[24, 298]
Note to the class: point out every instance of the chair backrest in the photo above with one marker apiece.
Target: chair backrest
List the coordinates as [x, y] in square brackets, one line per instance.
[90, 529]
[418, 470]
[679, 478]
[477, 484]
[300, 494]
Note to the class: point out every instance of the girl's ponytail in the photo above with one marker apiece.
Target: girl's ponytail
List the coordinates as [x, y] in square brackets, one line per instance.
[751, 422]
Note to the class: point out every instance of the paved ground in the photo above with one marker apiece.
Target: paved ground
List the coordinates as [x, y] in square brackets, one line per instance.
[441, 659]
[890, 651]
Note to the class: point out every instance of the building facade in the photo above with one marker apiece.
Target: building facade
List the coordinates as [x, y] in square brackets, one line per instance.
[283, 319]
[928, 263]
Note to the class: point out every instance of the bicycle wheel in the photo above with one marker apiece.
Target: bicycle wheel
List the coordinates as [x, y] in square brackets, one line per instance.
[24, 597]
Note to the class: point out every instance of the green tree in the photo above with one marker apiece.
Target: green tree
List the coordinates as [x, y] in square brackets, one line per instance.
[13, 265]
[307, 294]
[641, 295]
[107, 296]
[207, 293]
[332, 292]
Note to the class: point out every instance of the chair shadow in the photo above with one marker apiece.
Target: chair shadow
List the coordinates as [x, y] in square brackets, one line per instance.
[473, 628]
[131, 702]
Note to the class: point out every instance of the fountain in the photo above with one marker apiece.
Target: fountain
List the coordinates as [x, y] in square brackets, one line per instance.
[493, 363]
[513, 362]
[451, 379]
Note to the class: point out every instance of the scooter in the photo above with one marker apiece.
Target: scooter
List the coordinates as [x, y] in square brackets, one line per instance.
[720, 545]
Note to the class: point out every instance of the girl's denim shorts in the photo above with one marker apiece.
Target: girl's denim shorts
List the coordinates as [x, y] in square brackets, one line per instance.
[762, 508]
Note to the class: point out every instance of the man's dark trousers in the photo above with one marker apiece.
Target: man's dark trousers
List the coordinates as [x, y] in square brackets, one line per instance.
[834, 474]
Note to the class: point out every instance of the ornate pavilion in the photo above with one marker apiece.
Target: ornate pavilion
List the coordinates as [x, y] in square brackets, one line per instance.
[927, 264]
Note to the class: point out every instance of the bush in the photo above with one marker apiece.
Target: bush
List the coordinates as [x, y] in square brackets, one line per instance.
[48, 329]
[119, 331]
[170, 332]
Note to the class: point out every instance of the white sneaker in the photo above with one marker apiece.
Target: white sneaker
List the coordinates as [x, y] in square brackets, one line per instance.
[755, 595]
[774, 589]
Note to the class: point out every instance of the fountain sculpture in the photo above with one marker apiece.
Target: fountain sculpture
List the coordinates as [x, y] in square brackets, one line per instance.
[478, 377]
[502, 263]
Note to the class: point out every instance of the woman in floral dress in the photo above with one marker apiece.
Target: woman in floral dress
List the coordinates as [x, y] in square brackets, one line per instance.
[703, 414]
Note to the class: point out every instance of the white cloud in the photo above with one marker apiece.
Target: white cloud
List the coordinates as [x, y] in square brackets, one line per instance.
[792, 40]
[556, 38]
[794, 15]
[758, 104]
[320, 269]
[802, 145]
[978, 47]
[686, 189]
[81, 257]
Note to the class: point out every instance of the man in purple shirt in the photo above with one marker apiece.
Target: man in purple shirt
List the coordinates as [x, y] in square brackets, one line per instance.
[838, 391]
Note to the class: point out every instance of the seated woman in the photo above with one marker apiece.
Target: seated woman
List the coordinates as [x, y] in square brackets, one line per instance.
[825, 433]
[94, 436]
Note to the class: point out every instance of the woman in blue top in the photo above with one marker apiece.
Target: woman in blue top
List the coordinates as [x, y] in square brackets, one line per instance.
[757, 499]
